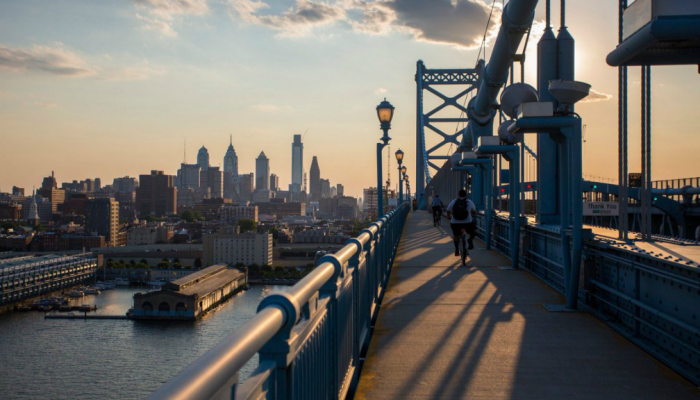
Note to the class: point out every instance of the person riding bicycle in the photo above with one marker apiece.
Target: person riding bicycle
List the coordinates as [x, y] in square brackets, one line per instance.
[437, 207]
[461, 212]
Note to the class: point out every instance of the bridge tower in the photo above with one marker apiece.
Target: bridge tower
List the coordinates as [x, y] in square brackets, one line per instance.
[429, 80]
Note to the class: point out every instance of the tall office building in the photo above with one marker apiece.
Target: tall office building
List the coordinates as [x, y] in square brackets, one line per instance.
[262, 172]
[297, 164]
[203, 158]
[231, 160]
[274, 183]
[156, 195]
[315, 179]
[125, 184]
[211, 181]
[325, 189]
[49, 183]
[341, 190]
[246, 186]
[187, 183]
[102, 218]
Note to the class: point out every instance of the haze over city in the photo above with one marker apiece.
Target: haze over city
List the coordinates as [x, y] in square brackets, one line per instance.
[113, 89]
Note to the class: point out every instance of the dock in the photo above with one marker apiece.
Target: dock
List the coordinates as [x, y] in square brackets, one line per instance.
[482, 332]
[84, 316]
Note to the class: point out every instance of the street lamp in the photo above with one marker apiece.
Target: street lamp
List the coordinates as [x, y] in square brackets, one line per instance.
[399, 158]
[385, 113]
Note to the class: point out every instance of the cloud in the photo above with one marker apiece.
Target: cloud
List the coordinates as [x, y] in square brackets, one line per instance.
[154, 24]
[594, 96]
[51, 60]
[455, 22]
[42, 104]
[163, 14]
[169, 8]
[297, 20]
[459, 23]
[380, 91]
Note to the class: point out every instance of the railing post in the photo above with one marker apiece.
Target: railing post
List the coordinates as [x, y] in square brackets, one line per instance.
[277, 350]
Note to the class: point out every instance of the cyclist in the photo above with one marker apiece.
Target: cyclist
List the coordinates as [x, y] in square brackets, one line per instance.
[461, 212]
[437, 207]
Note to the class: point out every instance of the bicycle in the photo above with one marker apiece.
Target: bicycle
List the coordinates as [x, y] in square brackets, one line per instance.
[463, 252]
[437, 217]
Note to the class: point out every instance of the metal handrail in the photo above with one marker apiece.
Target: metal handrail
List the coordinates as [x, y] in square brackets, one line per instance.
[212, 374]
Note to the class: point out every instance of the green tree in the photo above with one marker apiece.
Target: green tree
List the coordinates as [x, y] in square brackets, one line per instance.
[190, 215]
[247, 225]
[142, 266]
[143, 261]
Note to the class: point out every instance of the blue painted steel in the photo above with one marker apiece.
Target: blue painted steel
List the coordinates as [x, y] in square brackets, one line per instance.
[566, 132]
[547, 191]
[512, 154]
[428, 79]
[309, 338]
[661, 42]
[380, 146]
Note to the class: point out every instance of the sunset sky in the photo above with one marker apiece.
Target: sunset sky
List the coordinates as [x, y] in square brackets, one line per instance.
[113, 88]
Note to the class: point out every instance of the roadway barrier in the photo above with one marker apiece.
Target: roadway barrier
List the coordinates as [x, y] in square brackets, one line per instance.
[310, 338]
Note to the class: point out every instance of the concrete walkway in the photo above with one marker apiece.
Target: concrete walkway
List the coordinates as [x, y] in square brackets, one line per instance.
[480, 332]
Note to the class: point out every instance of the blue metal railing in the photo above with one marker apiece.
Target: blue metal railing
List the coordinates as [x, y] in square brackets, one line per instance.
[310, 338]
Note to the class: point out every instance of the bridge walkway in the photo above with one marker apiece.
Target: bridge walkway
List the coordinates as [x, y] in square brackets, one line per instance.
[481, 332]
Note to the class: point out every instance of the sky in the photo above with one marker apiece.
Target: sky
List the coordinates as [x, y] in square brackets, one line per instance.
[114, 88]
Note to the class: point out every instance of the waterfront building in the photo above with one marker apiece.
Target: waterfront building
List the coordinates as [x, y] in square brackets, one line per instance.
[35, 276]
[315, 179]
[190, 297]
[233, 248]
[102, 218]
[157, 195]
[203, 158]
[262, 171]
[297, 164]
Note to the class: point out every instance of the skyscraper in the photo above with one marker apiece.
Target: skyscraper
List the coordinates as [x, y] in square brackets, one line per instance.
[274, 182]
[102, 217]
[297, 164]
[156, 195]
[262, 172]
[203, 158]
[211, 182]
[341, 190]
[231, 160]
[315, 179]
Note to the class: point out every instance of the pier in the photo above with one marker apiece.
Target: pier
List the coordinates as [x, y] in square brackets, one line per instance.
[192, 296]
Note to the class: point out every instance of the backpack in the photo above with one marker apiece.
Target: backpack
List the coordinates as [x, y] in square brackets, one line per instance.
[459, 210]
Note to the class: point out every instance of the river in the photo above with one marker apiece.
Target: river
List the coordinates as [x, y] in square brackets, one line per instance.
[109, 359]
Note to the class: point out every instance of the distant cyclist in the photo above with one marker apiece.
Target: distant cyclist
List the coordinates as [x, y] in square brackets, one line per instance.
[461, 212]
[437, 208]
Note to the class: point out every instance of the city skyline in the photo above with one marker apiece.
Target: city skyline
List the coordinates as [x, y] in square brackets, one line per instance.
[206, 70]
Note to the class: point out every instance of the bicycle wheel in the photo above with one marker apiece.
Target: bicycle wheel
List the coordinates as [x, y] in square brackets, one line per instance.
[463, 249]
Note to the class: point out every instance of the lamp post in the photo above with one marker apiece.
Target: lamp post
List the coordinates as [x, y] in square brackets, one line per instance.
[385, 112]
[408, 187]
[399, 158]
[402, 175]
